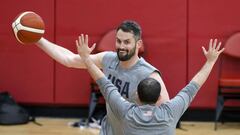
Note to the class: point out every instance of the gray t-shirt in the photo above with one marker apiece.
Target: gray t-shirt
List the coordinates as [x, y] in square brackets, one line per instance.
[147, 119]
[126, 80]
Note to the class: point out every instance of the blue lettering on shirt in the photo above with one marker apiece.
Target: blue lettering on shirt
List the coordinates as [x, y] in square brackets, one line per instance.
[123, 87]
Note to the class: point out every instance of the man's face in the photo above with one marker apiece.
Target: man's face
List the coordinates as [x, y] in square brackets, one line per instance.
[125, 45]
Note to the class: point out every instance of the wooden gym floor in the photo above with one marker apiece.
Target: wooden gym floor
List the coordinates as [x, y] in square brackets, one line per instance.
[57, 126]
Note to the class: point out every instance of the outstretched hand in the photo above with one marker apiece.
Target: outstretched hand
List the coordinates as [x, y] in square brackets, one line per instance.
[82, 46]
[213, 50]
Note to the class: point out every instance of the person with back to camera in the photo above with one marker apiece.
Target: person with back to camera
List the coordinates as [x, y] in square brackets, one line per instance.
[145, 118]
[123, 67]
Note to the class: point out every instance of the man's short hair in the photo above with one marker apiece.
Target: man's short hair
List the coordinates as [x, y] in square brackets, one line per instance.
[131, 26]
[149, 90]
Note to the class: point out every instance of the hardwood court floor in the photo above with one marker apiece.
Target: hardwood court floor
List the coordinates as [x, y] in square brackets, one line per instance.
[53, 126]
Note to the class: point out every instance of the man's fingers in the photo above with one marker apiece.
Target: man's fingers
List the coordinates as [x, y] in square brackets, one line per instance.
[204, 50]
[93, 47]
[210, 44]
[219, 45]
[76, 42]
[79, 40]
[82, 39]
[86, 39]
[214, 44]
[77, 45]
[221, 50]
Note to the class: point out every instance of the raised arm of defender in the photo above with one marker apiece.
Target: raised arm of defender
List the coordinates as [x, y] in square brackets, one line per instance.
[110, 92]
[212, 55]
[182, 100]
[66, 57]
[84, 51]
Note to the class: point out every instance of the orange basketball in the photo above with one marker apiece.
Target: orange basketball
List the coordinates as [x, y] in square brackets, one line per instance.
[28, 27]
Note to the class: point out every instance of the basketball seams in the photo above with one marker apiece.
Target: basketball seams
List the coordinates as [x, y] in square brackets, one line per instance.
[28, 27]
[15, 30]
[21, 27]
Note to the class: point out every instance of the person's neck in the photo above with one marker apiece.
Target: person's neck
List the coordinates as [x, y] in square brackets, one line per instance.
[129, 63]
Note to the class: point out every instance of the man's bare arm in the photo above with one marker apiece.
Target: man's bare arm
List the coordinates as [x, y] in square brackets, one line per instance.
[164, 94]
[66, 57]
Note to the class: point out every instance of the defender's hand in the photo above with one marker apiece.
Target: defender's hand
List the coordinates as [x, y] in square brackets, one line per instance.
[82, 46]
[213, 50]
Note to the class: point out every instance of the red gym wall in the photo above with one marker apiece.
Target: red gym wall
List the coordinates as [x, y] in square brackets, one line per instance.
[173, 33]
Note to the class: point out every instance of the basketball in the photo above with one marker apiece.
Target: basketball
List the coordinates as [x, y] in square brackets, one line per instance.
[28, 27]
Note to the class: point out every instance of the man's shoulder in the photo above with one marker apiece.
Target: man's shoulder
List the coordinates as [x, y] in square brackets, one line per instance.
[147, 66]
[143, 62]
[110, 54]
[109, 58]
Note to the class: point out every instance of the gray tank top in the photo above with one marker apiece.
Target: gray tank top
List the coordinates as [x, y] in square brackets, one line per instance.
[126, 80]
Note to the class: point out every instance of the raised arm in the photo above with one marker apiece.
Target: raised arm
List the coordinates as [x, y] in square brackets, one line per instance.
[84, 52]
[182, 100]
[66, 57]
[211, 55]
[110, 92]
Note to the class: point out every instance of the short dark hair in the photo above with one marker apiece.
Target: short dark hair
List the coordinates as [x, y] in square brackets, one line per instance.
[131, 26]
[149, 90]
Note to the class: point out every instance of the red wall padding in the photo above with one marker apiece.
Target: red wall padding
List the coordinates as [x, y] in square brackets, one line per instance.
[173, 33]
[25, 71]
[209, 19]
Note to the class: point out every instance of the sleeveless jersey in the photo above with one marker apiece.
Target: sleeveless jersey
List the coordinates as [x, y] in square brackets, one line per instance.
[126, 80]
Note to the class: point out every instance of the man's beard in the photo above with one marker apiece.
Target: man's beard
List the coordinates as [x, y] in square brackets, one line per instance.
[126, 57]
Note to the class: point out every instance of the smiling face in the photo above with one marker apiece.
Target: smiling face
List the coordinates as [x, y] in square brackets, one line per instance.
[126, 45]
